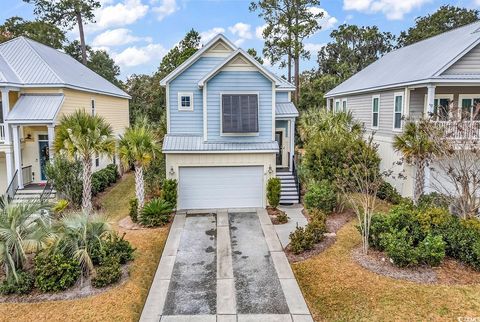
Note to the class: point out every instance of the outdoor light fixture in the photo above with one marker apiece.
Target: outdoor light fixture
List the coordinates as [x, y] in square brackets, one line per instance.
[171, 172]
[270, 170]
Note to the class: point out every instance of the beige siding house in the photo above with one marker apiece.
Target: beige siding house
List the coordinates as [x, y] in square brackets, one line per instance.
[439, 76]
[38, 86]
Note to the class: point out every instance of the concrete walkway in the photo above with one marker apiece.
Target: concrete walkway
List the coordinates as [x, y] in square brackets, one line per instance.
[245, 247]
[295, 218]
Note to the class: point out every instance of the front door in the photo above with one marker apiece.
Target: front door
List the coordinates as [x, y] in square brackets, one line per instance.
[279, 139]
[43, 157]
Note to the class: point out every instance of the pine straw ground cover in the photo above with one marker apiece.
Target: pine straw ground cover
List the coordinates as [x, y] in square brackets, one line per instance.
[338, 289]
[122, 303]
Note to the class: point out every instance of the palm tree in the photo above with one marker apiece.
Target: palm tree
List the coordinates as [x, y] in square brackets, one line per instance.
[418, 149]
[79, 235]
[24, 229]
[138, 146]
[81, 135]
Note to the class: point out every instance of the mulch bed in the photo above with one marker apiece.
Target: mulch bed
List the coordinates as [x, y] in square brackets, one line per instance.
[335, 222]
[273, 213]
[450, 272]
[79, 290]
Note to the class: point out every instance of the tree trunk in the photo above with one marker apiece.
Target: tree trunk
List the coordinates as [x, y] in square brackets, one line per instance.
[82, 38]
[139, 187]
[87, 185]
[296, 59]
[419, 180]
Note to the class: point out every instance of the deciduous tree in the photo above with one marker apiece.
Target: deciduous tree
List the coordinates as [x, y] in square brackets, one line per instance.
[41, 31]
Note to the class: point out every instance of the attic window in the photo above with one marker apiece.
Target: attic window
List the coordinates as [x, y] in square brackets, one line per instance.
[185, 101]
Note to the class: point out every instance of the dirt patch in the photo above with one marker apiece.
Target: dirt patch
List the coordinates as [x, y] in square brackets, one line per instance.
[335, 222]
[276, 215]
[127, 223]
[79, 290]
[450, 272]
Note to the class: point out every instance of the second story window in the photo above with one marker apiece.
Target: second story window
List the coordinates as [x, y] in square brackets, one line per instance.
[375, 111]
[398, 111]
[239, 113]
[185, 101]
[93, 107]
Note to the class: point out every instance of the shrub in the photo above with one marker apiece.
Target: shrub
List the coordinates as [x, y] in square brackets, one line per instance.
[55, 272]
[108, 272]
[317, 226]
[301, 240]
[133, 211]
[321, 196]
[23, 285]
[118, 247]
[433, 199]
[433, 218]
[431, 250]
[60, 206]
[156, 213]
[154, 175]
[103, 178]
[378, 226]
[66, 177]
[273, 192]
[170, 192]
[399, 247]
[282, 217]
[388, 193]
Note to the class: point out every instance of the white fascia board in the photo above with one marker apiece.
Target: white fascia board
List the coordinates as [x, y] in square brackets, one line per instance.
[218, 151]
[195, 56]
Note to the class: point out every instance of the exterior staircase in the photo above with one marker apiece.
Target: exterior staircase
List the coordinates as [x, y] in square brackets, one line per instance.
[289, 193]
[34, 193]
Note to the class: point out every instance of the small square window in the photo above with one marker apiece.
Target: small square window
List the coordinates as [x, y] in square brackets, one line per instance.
[185, 101]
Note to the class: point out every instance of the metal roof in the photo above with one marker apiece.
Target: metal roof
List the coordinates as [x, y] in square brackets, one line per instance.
[422, 61]
[32, 108]
[24, 62]
[191, 143]
[286, 109]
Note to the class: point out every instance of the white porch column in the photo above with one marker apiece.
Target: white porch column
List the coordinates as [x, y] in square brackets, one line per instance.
[9, 165]
[17, 152]
[51, 137]
[430, 98]
[292, 143]
[5, 110]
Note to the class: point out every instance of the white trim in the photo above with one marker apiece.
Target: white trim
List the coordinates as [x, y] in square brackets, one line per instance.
[221, 116]
[205, 114]
[395, 95]
[237, 52]
[179, 101]
[467, 96]
[457, 58]
[167, 101]
[450, 97]
[194, 58]
[378, 112]
[220, 152]
[281, 148]
[274, 104]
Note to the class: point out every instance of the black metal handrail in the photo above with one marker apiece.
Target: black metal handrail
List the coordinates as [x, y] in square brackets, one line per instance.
[12, 187]
[47, 191]
[296, 178]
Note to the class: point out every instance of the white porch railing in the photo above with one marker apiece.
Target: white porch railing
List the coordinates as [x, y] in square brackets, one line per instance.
[460, 130]
[2, 132]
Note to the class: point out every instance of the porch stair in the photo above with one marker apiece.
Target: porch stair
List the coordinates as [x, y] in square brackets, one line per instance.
[31, 194]
[289, 190]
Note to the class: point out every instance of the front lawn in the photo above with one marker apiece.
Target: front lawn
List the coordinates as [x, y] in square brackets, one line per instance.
[122, 303]
[338, 289]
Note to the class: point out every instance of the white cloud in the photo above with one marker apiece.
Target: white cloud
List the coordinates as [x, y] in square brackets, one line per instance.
[393, 9]
[120, 14]
[327, 21]
[209, 34]
[166, 8]
[314, 48]
[116, 37]
[241, 30]
[134, 56]
[259, 31]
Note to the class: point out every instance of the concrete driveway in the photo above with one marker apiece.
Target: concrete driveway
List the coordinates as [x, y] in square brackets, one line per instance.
[224, 265]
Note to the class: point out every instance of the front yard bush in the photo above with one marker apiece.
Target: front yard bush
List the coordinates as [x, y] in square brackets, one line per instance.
[301, 240]
[388, 193]
[119, 247]
[156, 212]
[317, 226]
[23, 285]
[55, 271]
[431, 250]
[133, 211]
[434, 199]
[66, 177]
[322, 196]
[104, 178]
[169, 189]
[108, 272]
[274, 188]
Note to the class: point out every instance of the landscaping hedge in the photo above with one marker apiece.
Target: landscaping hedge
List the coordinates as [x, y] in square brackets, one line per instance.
[104, 178]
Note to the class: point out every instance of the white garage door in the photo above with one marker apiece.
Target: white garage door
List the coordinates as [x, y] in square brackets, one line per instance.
[220, 187]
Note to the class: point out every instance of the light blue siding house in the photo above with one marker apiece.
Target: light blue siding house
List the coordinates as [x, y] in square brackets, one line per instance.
[230, 127]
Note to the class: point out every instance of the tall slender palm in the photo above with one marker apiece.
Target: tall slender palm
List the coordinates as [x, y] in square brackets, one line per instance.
[418, 149]
[24, 228]
[138, 146]
[81, 135]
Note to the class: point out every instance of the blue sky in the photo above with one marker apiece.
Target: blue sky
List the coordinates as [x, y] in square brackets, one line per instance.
[137, 33]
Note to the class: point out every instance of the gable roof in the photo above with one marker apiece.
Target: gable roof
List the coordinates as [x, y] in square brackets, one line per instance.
[423, 61]
[24, 62]
[230, 58]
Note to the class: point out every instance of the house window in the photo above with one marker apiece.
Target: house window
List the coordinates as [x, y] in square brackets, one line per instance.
[337, 106]
[470, 105]
[97, 160]
[344, 106]
[93, 107]
[240, 113]
[398, 110]
[375, 111]
[185, 101]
